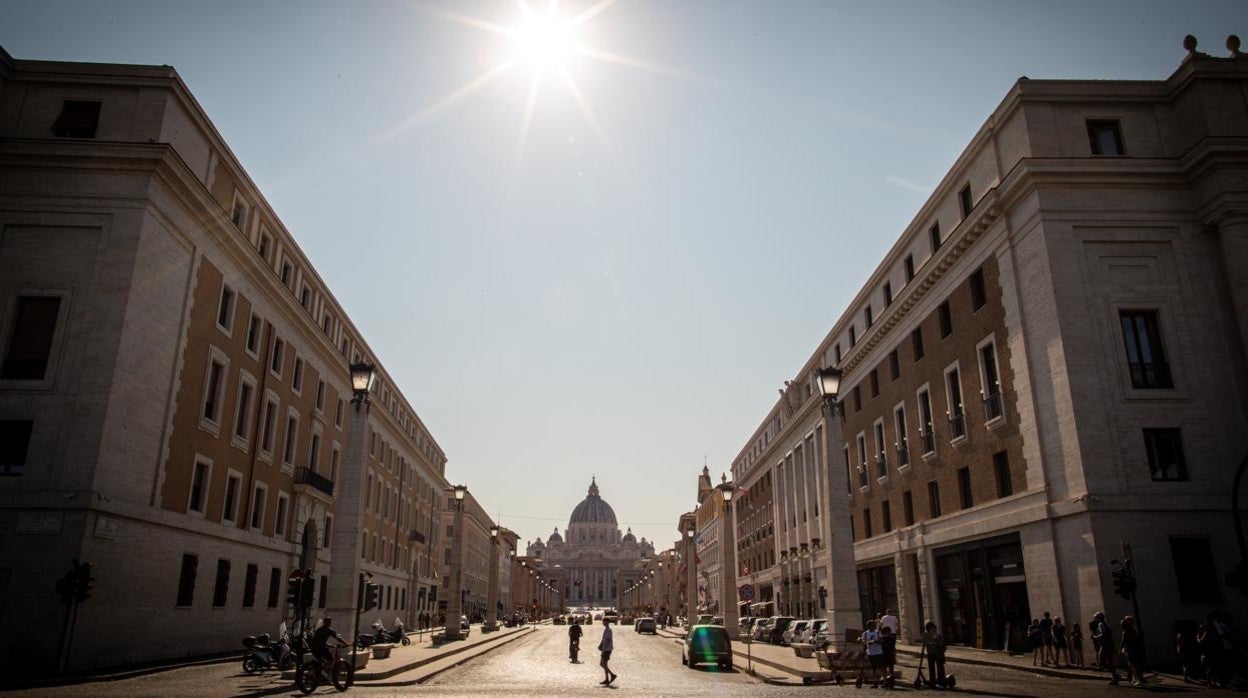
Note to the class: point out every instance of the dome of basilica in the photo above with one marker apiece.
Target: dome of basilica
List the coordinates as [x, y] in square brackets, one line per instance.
[629, 537]
[554, 537]
[593, 509]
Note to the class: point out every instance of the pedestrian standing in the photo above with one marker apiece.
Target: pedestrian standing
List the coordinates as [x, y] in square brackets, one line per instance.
[1060, 643]
[887, 641]
[1046, 639]
[605, 645]
[574, 640]
[1103, 637]
[1133, 650]
[890, 621]
[934, 645]
[1210, 646]
[875, 650]
[1185, 650]
[1076, 645]
[1034, 641]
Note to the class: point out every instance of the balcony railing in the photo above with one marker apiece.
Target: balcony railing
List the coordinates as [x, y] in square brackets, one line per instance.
[903, 454]
[881, 464]
[928, 440]
[993, 407]
[1151, 375]
[416, 536]
[308, 476]
[957, 425]
[862, 476]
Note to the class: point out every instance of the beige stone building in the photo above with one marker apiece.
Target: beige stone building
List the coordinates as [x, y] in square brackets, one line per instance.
[174, 396]
[1049, 363]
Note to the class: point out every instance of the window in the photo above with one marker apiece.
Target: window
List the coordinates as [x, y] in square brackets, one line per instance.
[888, 293]
[1165, 455]
[221, 590]
[1194, 570]
[862, 459]
[276, 364]
[857, 398]
[866, 522]
[1146, 358]
[881, 462]
[14, 445]
[945, 316]
[229, 509]
[279, 520]
[238, 216]
[869, 316]
[258, 498]
[899, 424]
[296, 381]
[953, 393]
[199, 486]
[305, 297]
[320, 395]
[30, 340]
[333, 464]
[225, 310]
[933, 498]
[907, 507]
[964, 488]
[265, 243]
[965, 202]
[249, 586]
[933, 237]
[314, 452]
[253, 334]
[270, 419]
[916, 342]
[186, 580]
[979, 296]
[275, 586]
[329, 530]
[214, 386]
[875, 383]
[886, 516]
[78, 119]
[321, 597]
[908, 263]
[288, 273]
[894, 365]
[1105, 137]
[853, 336]
[292, 432]
[925, 422]
[338, 413]
[837, 351]
[242, 410]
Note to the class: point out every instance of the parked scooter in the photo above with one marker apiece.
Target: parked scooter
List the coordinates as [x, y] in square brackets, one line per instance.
[263, 654]
[380, 634]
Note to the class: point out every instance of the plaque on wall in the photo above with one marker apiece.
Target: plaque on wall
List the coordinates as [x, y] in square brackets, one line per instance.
[40, 523]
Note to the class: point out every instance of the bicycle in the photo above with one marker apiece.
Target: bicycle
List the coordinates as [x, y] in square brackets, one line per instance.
[312, 672]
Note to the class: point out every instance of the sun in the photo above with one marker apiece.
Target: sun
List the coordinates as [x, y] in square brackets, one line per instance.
[545, 42]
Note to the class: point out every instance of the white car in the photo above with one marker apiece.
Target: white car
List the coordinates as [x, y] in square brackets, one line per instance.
[815, 627]
[761, 629]
[793, 633]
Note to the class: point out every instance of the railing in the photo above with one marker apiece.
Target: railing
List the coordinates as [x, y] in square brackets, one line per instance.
[957, 425]
[308, 476]
[862, 476]
[416, 536]
[993, 407]
[903, 454]
[881, 464]
[928, 440]
[1151, 375]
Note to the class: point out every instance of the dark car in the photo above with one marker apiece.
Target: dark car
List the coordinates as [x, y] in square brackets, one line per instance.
[775, 633]
[647, 625]
[707, 644]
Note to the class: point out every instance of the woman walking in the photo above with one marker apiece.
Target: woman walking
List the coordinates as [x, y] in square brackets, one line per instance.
[605, 646]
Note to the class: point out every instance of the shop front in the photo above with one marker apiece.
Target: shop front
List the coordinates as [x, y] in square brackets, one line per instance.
[982, 591]
[877, 591]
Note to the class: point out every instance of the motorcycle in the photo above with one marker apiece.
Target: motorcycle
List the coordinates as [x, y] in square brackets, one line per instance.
[263, 654]
[380, 634]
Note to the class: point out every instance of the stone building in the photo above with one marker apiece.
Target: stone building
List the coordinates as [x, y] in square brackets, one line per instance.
[593, 554]
[174, 395]
[1048, 369]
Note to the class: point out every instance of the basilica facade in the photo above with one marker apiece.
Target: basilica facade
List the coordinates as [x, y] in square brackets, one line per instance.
[591, 552]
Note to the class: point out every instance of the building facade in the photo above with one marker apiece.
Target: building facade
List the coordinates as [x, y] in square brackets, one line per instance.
[174, 394]
[1045, 373]
[593, 554]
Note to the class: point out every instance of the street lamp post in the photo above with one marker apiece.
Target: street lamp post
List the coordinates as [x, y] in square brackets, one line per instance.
[728, 561]
[455, 598]
[844, 611]
[691, 576]
[804, 571]
[491, 594]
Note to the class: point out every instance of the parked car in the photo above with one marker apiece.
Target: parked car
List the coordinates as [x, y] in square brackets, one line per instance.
[746, 624]
[612, 616]
[647, 625]
[707, 644]
[718, 620]
[759, 632]
[776, 628]
[816, 626]
[704, 619]
[559, 620]
[793, 633]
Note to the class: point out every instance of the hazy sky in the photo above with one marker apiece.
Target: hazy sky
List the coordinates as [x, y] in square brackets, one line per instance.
[622, 293]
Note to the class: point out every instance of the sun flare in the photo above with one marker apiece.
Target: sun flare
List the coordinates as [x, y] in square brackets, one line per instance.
[545, 42]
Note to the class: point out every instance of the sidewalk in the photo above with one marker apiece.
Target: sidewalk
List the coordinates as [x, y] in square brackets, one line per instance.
[421, 660]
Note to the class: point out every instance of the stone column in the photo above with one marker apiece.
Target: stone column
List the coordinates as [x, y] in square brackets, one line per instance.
[691, 582]
[844, 609]
[491, 594]
[349, 493]
[728, 568]
[455, 593]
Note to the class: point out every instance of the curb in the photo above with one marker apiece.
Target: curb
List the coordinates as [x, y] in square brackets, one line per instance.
[485, 647]
[19, 684]
[366, 676]
[1044, 671]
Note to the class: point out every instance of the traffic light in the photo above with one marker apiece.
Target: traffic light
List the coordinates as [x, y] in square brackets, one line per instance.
[83, 581]
[372, 596]
[1124, 580]
[308, 590]
[294, 587]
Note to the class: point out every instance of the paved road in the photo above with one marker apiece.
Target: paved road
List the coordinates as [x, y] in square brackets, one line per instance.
[537, 665]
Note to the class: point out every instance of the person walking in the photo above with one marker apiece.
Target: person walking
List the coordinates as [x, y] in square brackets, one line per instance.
[1076, 645]
[934, 645]
[1103, 637]
[1034, 641]
[574, 640]
[1133, 650]
[1046, 640]
[890, 621]
[1060, 643]
[871, 639]
[605, 645]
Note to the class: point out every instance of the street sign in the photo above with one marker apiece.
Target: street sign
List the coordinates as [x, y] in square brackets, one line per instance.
[746, 591]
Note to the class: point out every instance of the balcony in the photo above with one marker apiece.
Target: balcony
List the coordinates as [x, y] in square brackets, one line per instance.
[957, 425]
[416, 536]
[881, 465]
[928, 440]
[903, 455]
[308, 476]
[1151, 375]
[994, 408]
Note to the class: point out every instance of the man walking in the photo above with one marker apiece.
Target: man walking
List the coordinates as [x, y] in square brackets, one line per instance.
[574, 639]
[890, 621]
[605, 646]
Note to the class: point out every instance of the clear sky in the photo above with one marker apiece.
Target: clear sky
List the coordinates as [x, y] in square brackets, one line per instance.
[620, 288]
